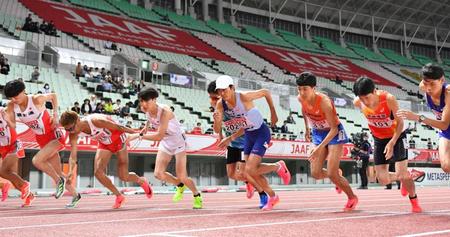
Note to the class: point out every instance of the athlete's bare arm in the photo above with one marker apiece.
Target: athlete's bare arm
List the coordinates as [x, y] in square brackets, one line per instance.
[250, 96]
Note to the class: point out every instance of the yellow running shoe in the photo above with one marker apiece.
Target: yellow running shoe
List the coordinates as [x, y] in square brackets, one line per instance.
[179, 194]
[198, 202]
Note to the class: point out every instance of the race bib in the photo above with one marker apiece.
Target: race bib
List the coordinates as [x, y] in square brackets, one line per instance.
[323, 124]
[381, 123]
[236, 123]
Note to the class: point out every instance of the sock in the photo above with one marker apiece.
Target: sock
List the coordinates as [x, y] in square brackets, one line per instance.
[415, 196]
[180, 185]
[197, 195]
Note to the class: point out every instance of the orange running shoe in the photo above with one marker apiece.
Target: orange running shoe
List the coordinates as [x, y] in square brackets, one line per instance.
[351, 204]
[25, 190]
[30, 198]
[284, 173]
[272, 201]
[415, 205]
[250, 190]
[5, 190]
[119, 200]
[147, 189]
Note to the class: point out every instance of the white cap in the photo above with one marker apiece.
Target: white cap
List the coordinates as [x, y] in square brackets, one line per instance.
[223, 82]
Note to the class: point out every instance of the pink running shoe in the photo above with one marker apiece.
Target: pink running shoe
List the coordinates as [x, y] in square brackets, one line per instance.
[147, 189]
[351, 204]
[250, 190]
[30, 198]
[5, 191]
[415, 205]
[120, 199]
[284, 173]
[25, 190]
[272, 201]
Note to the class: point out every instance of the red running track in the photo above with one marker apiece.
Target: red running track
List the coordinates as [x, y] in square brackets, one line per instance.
[299, 213]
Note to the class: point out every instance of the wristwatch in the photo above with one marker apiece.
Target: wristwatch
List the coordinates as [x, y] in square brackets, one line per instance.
[421, 118]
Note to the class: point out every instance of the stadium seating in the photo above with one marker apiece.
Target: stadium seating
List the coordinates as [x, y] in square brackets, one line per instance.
[100, 5]
[137, 12]
[300, 42]
[394, 56]
[267, 37]
[336, 49]
[185, 22]
[368, 54]
[228, 30]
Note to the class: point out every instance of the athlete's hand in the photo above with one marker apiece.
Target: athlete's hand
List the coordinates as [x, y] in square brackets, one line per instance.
[225, 142]
[406, 114]
[273, 120]
[389, 150]
[315, 152]
[308, 136]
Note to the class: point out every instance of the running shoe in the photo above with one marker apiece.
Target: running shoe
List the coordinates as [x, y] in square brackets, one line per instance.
[415, 205]
[179, 193]
[283, 172]
[262, 200]
[250, 190]
[120, 199]
[25, 190]
[351, 204]
[272, 201]
[5, 190]
[147, 189]
[60, 187]
[198, 202]
[74, 202]
[30, 198]
[417, 175]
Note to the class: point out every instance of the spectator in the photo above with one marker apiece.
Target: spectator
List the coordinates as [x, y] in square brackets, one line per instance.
[115, 74]
[35, 75]
[103, 72]
[210, 130]
[429, 144]
[264, 70]
[189, 68]
[197, 129]
[107, 86]
[183, 126]
[86, 108]
[99, 108]
[172, 108]
[4, 67]
[412, 143]
[76, 108]
[290, 118]
[93, 101]
[108, 107]
[125, 111]
[108, 44]
[284, 138]
[141, 85]
[96, 75]
[117, 107]
[301, 136]
[364, 153]
[47, 90]
[78, 71]
[284, 128]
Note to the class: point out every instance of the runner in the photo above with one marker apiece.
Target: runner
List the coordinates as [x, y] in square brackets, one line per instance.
[172, 143]
[438, 100]
[380, 108]
[30, 110]
[111, 139]
[235, 162]
[10, 151]
[328, 136]
[257, 133]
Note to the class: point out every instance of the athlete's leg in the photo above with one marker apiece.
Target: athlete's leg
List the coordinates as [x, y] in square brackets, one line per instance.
[41, 160]
[8, 171]
[333, 157]
[55, 162]
[102, 158]
[162, 161]
[444, 154]
[122, 168]
[182, 174]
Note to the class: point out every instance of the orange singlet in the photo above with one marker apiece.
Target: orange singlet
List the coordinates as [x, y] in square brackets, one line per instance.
[381, 119]
[315, 115]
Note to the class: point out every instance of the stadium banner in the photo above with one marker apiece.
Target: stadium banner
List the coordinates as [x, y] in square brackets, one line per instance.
[324, 66]
[206, 145]
[423, 155]
[121, 30]
[433, 176]
[181, 80]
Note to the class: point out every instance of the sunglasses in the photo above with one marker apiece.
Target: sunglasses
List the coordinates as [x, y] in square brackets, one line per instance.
[70, 129]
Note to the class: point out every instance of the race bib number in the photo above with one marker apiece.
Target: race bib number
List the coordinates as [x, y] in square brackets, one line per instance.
[319, 124]
[381, 123]
[235, 124]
